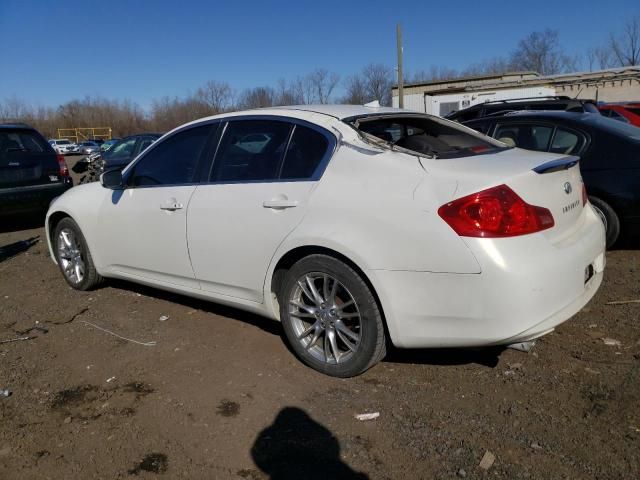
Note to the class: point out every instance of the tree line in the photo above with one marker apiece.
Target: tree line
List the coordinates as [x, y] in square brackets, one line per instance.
[539, 51]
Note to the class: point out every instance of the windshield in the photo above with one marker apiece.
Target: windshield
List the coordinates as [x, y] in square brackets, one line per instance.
[63, 142]
[427, 135]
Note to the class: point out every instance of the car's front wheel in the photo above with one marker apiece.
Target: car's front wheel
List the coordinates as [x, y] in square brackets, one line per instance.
[331, 318]
[73, 256]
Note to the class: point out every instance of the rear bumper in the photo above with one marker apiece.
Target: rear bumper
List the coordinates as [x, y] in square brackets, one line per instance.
[527, 287]
[32, 198]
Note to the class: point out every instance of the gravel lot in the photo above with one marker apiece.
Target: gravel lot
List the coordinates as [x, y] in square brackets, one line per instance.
[219, 395]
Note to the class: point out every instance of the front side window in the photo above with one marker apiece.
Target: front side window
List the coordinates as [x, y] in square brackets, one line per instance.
[527, 136]
[173, 161]
[124, 148]
[251, 150]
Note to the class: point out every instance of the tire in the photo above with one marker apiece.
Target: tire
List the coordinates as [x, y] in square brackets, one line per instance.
[609, 218]
[74, 257]
[344, 310]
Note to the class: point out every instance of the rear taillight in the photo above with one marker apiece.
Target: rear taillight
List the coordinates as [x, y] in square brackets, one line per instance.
[585, 198]
[63, 170]
[493, 213]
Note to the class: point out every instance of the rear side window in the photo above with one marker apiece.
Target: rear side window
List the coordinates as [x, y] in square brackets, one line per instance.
[173, 161]
[306, 150]
[18, 142]
[251, 150]
[566, 142]
[527, 136]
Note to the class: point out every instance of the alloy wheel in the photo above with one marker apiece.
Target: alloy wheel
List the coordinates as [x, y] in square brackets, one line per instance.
[70, 256]
[325, 318]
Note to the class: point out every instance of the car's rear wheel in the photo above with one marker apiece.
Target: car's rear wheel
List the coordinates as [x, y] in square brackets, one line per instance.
[331, 318]
[73, 256]
[609, 218]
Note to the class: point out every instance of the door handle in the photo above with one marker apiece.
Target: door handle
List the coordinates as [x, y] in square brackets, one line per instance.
[280, 204]
[171, 205]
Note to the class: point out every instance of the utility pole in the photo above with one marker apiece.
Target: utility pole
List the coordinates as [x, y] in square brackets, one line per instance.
[400, 77]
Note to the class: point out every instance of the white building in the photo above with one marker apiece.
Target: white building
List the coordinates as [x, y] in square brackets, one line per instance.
[442, 97]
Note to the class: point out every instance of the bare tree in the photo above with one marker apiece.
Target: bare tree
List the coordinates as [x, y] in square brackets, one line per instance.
[356, 91]
[258, 97]
[599, 58]
[287, 94]
[218, 96]
[626, 46]
[322, 83]
[541, 52]
[378, 79]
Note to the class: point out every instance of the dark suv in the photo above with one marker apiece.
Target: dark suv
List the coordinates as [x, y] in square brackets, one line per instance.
[31, 172]
[500, 107]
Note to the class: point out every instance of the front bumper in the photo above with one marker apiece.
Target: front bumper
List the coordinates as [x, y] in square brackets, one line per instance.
[527, 287]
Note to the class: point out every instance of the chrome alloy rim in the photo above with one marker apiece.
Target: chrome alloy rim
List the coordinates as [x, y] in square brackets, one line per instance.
[325, 318]
[70, 256]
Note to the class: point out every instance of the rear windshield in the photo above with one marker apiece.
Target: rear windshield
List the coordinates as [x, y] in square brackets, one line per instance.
[635, 110]
[18, 142]
[426, 135]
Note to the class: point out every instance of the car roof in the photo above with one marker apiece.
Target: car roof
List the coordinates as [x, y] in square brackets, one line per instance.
[339, 112]
[16, 125]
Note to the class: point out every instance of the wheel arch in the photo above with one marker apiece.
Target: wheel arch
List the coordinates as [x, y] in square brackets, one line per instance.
[290, 257]
[52, 220]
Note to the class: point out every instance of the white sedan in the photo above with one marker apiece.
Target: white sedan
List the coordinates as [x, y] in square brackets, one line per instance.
[353, 226]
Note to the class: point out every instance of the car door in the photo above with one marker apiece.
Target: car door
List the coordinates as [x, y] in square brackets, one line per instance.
[257, 193]
[143, 227]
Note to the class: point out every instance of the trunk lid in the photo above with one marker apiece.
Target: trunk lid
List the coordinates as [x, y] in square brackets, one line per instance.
[541, 179]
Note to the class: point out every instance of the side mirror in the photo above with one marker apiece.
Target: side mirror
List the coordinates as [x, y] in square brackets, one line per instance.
[112, 179]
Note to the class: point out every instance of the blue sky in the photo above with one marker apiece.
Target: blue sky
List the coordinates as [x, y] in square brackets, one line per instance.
[54, 51]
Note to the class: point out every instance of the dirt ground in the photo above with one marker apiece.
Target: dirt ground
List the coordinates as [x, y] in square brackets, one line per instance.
[214, 393]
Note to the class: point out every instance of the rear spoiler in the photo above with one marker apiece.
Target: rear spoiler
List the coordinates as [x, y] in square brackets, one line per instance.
[564, 163]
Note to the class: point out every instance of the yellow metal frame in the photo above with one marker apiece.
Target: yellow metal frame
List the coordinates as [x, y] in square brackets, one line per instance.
[80, 134]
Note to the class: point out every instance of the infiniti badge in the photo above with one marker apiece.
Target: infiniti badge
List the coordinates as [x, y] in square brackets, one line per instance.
[567, 188]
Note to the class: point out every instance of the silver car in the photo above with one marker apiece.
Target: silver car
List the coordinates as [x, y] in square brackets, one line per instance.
[88, 147]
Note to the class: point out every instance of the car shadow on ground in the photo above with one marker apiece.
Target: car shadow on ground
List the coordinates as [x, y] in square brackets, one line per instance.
[268, 325]
[487, 356]
[17, 223]
[627, 243]
[295, 446]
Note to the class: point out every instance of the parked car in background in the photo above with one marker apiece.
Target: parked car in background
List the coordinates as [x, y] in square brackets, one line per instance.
[31, 172]
[88, 147]
[107, 144]
[628, 113]
[126, 149]
[500, 107]
[609, 154]
[352, 225]
[64, 146]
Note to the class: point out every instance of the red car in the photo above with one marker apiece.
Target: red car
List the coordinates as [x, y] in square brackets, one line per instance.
[627, 112]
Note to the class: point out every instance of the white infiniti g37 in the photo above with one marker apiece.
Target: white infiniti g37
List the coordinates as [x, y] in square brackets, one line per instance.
[354, 226]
